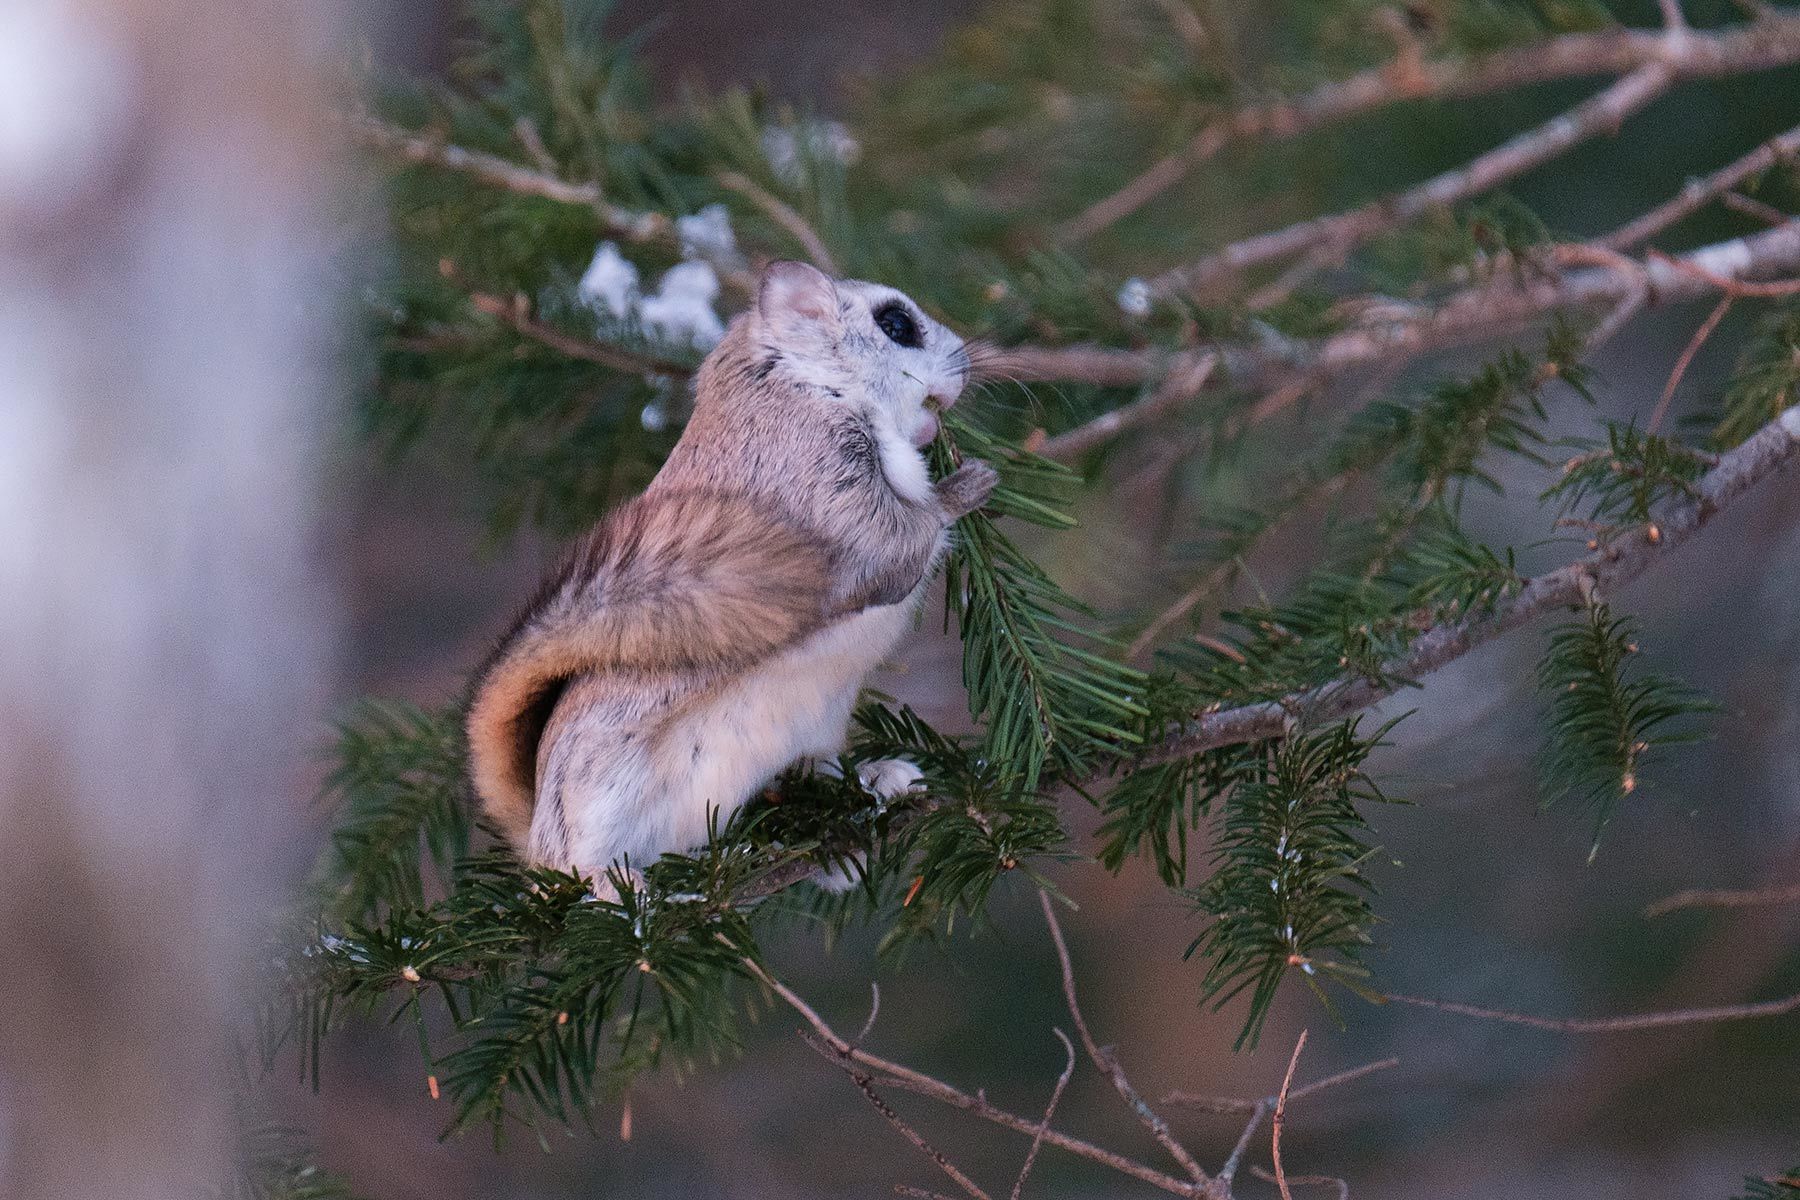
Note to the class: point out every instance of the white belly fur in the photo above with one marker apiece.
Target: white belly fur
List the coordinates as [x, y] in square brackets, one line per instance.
[716, 756]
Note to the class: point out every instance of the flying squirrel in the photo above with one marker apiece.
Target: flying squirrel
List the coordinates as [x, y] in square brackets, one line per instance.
[716, 629]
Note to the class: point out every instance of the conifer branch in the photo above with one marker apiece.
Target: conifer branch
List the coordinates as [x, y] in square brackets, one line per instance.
[1607, 569]
[642, 226]
[1056, 1092]
[1185, 380]
[1336, 235]
[1280, 1118]
[1570, 56]
[1396, 332]
[491, 169]
[866, 1084]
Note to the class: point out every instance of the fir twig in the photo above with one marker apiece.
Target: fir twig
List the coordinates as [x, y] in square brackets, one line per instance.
[1608, 569]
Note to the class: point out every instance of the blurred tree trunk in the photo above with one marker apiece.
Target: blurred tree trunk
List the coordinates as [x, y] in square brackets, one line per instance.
[162, 627]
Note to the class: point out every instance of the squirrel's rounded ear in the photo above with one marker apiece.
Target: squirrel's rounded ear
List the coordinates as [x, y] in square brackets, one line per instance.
[793, 292]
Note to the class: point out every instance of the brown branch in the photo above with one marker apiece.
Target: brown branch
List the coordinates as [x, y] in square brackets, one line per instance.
[866, 1084]
[1037, 1140]
[1699, 192]
[1342, 1186]
[1108, 1063]
[1338, 233]
[1723, 898]
[1616, 52]
[515, 314]
[1281, 1102]
[1606, 570]
[1232, 1104]
[1185, 380]
[626, 224]
[1768, 214]
[1768, 289]
[893, 1074]
[1687, 357]
[1229, 1171]
[1653, 1020]
[1392, 333]
[495, 171]
[783, 215]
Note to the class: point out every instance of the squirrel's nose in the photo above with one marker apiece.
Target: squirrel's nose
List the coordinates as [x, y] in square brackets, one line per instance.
[945, 394]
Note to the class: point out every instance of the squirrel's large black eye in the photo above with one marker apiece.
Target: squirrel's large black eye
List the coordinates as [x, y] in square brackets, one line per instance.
[893, 320]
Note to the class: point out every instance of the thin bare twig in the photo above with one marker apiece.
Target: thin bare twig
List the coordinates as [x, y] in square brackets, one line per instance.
[1687, 357]
[866, 1084]
[1614, 52]
[874, 1011]
[1699, 192]
[1105, 1060]
[783, 215]
[1037, 1140]
[1609, 568]
[1723, 898]
[1281, 1101]
[515, 313]
[1766, 289]
[1768, 214]
[1233, 1104]
[1336, 234]
[1229, 1171]
[1653, 1020]
[626, 224]
[893, 1074]
[1342, 1186]
[1184, 381]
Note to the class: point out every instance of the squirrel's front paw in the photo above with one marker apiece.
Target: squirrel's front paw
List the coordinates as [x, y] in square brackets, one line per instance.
[967, 488]
[890, 778]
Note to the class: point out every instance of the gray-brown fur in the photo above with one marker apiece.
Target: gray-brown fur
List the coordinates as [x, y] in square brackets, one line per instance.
[773, 519]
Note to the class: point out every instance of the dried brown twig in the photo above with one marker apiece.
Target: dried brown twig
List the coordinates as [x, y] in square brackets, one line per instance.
[515, 313]
[1037, 1140]
[1723, 898]
[783, 215]
[1280, 1119]
[1108, 1063]
[1653, 1020]
[893, 1074]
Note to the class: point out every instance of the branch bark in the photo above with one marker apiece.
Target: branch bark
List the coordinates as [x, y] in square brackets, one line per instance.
[1399, 330]
[1606, 570]
[1616, 52]
[893, 1074]
[1337, 234]
[1699, 192]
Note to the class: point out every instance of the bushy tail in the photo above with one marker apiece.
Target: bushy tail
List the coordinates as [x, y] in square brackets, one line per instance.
[671, 583]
